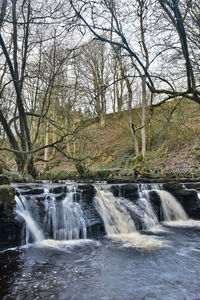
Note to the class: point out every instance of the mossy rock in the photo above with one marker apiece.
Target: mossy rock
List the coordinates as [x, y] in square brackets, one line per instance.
[4, 180]
[7, 197]
[145, 170]
[1, 167]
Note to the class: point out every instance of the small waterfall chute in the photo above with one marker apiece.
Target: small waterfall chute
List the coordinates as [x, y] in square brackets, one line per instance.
[149, 219]
[114, 213]
[32, 228]
[60, 219]
[119, 225]
[65, 218]
[171, 208]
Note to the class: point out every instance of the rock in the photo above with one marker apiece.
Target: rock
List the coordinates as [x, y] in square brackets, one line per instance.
[58, 189]
[193, 185]
[10, 229]
[87, 192]
[129, 191]
[10, 232]
[96, 230]
[4, 180]
[187, 197]
[172, 186]
[121, 179]
[7, 199]
[156, 203]
[35, 191]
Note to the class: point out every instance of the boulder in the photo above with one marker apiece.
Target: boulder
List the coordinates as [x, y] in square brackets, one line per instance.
[193, 185]
[35, 191]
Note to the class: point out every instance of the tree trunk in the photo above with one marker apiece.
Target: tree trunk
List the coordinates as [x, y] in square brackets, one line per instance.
[143, 131]
[132, 127]
[46, 150]
[81, 169]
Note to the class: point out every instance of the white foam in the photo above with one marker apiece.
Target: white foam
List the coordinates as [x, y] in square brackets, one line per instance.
[137, 240]
[60, 244]
[183, 223]
[157, 229]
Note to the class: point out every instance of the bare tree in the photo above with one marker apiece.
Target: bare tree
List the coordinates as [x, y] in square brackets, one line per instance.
[29, 40]
[97, 21]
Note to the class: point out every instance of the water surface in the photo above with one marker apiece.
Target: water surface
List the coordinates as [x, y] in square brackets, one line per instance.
[108, 269]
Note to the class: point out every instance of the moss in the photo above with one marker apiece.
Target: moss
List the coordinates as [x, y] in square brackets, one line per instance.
[60, 175]
[4, 180]
[7, 197]
[17, 177]
[1, 167]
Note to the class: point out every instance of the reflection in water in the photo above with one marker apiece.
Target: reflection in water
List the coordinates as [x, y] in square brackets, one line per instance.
[9, 265]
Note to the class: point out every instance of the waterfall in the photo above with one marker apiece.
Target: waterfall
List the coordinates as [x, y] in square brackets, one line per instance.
[117, 217]
[57, 219]
[65, 218]
[32, 228]
[57, 213]
[149, 218]
[114, 212]
[119, 213]
[172, 210]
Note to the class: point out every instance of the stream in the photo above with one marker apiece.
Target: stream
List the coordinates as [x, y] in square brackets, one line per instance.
[160, 261]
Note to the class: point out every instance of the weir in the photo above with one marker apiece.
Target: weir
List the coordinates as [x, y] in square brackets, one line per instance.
[66, 213]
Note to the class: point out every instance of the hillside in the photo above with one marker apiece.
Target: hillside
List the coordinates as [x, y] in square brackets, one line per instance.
[173, 145]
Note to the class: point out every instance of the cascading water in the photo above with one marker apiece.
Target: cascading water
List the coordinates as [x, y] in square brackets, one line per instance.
[172, 210]
[149, 219]
[57, 269]
[117, 217]
[32, 228]
[65, 218]
[57, 214]
[114, 212]
[62, 219]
